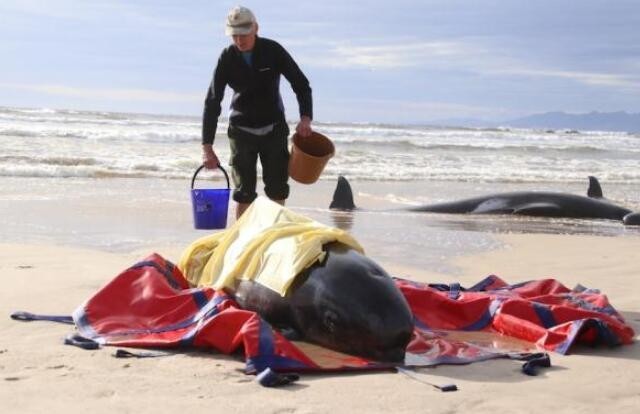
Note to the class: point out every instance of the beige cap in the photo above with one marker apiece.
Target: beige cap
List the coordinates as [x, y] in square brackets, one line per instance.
[240, 21]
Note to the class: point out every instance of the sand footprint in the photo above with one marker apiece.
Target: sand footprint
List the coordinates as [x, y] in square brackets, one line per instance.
[104, 394]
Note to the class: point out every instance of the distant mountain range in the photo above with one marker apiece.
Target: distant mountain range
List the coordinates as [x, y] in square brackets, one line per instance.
[592, 121]
[601, 121]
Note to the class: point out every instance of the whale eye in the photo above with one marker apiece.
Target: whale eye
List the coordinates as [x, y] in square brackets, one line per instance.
[330, 320]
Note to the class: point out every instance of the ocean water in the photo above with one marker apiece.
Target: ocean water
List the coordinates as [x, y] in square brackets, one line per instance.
[120, 181]
[64, 143]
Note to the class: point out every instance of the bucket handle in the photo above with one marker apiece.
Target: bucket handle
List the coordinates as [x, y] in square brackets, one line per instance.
[193, 180]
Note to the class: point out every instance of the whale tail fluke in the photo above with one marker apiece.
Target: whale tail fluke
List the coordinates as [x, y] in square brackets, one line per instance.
[342, 196]
[594, 191]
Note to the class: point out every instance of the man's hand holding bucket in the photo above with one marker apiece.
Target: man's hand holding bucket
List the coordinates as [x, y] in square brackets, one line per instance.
[209, 158]
[304, 127]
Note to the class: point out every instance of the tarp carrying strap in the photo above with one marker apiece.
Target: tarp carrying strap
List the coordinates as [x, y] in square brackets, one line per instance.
[535, 361]
[81, 342]
[28, 316]
[413, 375]
[123, 353]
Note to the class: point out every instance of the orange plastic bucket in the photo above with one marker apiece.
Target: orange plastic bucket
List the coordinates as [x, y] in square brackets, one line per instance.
[309, 155]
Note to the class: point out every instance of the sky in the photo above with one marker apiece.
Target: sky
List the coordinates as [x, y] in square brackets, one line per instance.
[403, 61]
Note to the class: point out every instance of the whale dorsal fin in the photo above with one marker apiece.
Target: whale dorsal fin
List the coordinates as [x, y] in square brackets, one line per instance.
[594, 191]
[342, 196]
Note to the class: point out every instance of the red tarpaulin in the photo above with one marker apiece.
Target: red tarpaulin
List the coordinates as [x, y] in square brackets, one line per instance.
[151, 305]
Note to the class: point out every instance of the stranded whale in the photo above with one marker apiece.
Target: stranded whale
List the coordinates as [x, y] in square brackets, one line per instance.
[347, 303]
[528, 203]
[306, 279]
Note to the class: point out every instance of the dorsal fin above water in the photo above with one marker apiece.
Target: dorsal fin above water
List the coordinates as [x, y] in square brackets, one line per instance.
[343, 196]
[594, 191]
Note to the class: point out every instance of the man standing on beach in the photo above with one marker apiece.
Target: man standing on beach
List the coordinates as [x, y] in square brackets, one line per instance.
[252, 66]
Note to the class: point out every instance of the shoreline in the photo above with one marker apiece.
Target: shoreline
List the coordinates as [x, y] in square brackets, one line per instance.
[124, 215]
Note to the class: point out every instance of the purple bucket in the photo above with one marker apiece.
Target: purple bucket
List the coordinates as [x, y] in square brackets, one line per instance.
[210, 205]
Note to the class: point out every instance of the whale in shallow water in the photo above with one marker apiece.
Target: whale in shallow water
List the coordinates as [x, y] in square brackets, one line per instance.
[526, 203]
[347, 303]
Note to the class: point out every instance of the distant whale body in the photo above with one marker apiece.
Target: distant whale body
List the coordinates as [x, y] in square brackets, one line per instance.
[525, 203]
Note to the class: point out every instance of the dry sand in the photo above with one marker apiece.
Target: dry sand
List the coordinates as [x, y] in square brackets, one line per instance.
[40, 374]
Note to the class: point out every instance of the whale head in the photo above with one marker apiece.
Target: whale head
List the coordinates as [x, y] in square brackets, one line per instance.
[632, 219]
[351, 305]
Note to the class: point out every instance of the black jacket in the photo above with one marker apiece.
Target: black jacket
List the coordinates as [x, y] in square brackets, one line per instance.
[256, 100]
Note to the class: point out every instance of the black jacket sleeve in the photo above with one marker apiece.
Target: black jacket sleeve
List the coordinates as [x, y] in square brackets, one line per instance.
[299, 83]
[212, 103]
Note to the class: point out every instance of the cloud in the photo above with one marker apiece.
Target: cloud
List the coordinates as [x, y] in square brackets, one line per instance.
[402, 54]
[141, 95]
[588, 78]
[466, 55]
[412, 111]
[100, 12]
[396, 56]
[60, 9]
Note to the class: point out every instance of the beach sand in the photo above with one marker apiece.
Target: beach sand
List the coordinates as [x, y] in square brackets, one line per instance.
[49, 273]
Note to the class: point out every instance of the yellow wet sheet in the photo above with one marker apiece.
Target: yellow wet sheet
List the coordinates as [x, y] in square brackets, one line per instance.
[269, 244]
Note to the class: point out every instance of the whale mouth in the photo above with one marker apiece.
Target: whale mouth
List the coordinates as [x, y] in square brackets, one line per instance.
[376, 349]
[391, 355]
[394, 351]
